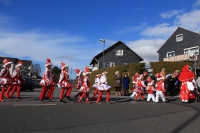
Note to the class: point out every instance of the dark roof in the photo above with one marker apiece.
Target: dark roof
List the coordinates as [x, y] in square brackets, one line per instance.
[26, 62]
[113, 46]
[174, 32]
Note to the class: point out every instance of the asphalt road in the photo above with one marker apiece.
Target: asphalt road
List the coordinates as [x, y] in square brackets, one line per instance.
[121, 116]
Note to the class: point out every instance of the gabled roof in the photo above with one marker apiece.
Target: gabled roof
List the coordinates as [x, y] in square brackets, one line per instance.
[112, 47]
[175, 31]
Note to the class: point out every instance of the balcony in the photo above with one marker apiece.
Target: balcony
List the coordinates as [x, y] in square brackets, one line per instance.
[183, 57]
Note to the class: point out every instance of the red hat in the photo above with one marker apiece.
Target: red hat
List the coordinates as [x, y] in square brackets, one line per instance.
[86, 71]
[137, 75]
[48, 63]
[63, 65]
[78, 72]
[159, 76]
[6, 62]
[20, 63]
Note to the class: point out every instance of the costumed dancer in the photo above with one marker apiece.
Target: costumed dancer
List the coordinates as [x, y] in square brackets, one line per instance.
[95, 86]
[134, 89]
[6, 80]
[187, 78]
[17, 80]
[160, 88]
[64, 82]
[79, 80]
[140, 88]
[103, 87]
[47, 80]
[51, 91]
[85, 88]
[163, 73]
[150, 89]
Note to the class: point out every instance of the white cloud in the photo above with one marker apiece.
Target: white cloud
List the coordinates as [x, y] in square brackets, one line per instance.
[196, 4]
[171, 13]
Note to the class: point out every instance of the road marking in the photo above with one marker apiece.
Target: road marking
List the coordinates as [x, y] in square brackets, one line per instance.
[34, 104]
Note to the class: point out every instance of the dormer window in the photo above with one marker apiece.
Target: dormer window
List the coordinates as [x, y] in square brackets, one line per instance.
[194, 50]
[179, 37]
[170, 54]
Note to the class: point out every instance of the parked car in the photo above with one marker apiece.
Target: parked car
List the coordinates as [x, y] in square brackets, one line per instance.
[28, 84]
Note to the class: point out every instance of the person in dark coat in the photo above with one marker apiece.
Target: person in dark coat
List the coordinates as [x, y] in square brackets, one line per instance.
[125, 82]
[117, 83]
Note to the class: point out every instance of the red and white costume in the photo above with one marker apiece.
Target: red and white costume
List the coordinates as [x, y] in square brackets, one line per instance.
[139, 87]
[85, 88]
[150, 89]
[134, 90]
[64, 82]
[103, 87]
[6, 80]
[187, 78]
[79, 81]
[17, 80]
[160, 88]
[47, 80]
[96, 85]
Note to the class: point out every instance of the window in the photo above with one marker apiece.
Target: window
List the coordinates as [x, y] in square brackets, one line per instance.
[119, 52]
[194, 50]
[170, 54]
[179, 37]
[110, 64]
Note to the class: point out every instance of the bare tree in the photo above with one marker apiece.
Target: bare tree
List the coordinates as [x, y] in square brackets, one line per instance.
[36, 70]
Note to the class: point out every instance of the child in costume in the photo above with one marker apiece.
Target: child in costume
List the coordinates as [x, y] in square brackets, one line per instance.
[160, 88]
[134, 90]
[17, 80]
[150, 89]
[64, 82]
[95, 86]
[79, 80]
[6, 80]
[140, 87]
[103, 87]
[47, 80]
[85, 88]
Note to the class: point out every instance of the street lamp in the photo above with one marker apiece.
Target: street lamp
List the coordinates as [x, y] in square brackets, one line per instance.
[102, 40]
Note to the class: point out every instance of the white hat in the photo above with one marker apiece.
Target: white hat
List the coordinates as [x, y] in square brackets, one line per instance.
[19, 64]
[63, 65]
[78, 72]
[6, 62]
[48, 63]
[86, 71]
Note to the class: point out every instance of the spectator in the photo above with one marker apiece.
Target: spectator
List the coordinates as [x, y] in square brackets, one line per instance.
[117, 83]
[125, 82]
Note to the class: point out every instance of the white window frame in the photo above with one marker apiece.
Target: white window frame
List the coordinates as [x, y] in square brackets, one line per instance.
[119, 52]
[111, 64]
[170, 53]
[188, 49]
[178, 38]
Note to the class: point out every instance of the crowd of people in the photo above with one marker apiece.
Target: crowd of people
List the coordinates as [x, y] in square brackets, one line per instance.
[157, 87]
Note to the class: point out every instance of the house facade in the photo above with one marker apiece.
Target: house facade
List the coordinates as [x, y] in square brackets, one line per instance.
[115, 55]
[182, 45]
[27, 66]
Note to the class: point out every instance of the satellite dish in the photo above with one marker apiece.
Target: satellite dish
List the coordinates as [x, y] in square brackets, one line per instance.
[191, 54]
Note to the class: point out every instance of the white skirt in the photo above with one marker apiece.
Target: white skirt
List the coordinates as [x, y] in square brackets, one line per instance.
[104, 87]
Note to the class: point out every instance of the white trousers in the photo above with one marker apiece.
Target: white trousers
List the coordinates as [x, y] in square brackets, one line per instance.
[160, 94]
[134, 93]
[151, 96]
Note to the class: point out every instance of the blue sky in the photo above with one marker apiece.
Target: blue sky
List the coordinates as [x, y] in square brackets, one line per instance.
[69, 30]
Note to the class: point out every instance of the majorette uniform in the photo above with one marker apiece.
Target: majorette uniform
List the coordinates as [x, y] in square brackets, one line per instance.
[134, 89]
[6, 80]
[85, 88]
[17, 80]
[160, 88]
[64, 82]
[96, 85]
[51, 91]
[140, 88]
[150, 89]
[187, 78]
[79, 81]
[47, 80]
[103, 87]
